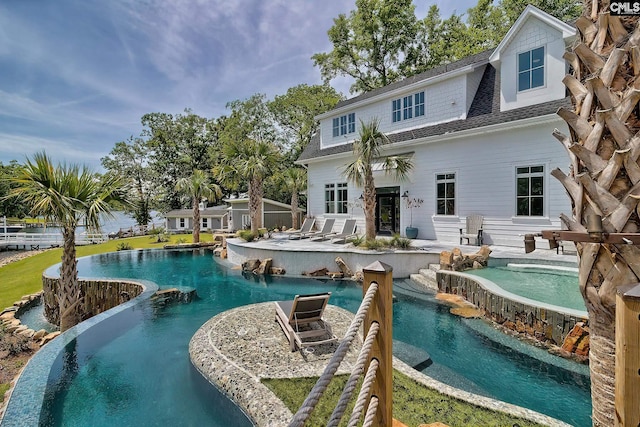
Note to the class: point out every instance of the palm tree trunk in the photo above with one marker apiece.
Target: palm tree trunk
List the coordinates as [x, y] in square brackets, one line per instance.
[196, 220]
[604, 179]
[294, 210]
[255, 204]
[369, 206]
[69, 294]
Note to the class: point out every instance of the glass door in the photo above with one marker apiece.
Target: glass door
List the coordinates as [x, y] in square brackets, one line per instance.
[387, 210]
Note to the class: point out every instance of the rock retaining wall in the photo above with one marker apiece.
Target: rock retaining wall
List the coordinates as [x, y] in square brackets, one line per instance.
[98, 295]
[551, 327]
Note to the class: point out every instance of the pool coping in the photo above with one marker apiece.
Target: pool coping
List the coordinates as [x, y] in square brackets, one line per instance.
[26, 399]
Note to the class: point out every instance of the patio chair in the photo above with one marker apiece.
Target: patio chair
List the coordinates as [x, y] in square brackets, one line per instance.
[301, 319]
[348, 230]
[327, 229]
[473, 229]
[307, 225]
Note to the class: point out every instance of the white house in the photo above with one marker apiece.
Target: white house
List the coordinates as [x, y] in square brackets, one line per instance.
[479, 132]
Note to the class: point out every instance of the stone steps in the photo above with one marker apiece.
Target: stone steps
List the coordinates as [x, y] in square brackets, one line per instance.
[427, 277]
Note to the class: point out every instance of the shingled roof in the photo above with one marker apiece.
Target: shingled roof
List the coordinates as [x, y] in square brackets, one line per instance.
[484, 110]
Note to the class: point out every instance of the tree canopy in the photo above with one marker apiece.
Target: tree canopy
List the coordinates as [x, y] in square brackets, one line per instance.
[382, 41]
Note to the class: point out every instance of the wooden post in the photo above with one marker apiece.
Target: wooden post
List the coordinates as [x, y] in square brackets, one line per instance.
[627, 394]
[381, 311]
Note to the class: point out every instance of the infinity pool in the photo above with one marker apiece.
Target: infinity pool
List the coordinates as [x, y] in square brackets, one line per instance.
[143, 375]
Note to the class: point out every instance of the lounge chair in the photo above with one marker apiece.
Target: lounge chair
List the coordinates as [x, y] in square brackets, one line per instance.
[307, 225]
[301, 319]
[473, 229]
[348, 230]
[327, 229]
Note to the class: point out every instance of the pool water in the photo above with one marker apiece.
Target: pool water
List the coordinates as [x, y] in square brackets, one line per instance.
[143, 376]
[545, 284]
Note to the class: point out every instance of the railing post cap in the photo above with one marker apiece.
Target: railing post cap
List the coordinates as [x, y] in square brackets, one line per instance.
[378, 267]
[629, 291]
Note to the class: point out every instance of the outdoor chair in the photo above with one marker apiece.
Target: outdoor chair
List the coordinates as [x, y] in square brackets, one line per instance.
[473, 229]
[348, 230]
[301, 319]
[327, 229]
[307, 225]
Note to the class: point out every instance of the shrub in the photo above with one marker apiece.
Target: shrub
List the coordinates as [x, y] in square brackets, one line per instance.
[247, 235]
[181, 240]
[124, 246]
[400, 242]
[357, 240]
[376, 244]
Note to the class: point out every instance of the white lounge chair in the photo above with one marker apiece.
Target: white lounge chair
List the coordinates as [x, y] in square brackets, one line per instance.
[307, 225]
[327, 229]
[348, 230]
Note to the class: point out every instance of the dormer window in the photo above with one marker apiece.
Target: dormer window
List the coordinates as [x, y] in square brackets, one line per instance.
[531, 69]
[344, 124]
[407, 107]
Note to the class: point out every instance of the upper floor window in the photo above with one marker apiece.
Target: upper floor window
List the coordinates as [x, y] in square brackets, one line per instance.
[344, 124]
[530, 191]
[419, 104]
[335, 198]
[396, 110]
[531, 69]
[446, 194]
[407, 107]
[407, 110]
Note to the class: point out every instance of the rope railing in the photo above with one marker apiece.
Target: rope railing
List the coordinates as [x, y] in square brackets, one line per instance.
[356, 373]
[364, 393]
[321, 385]
[375, 312]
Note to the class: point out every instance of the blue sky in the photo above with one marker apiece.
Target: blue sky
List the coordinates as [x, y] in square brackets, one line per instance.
[76, 76]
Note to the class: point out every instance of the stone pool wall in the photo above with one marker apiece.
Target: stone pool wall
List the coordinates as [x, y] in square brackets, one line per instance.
[540, 322]
[98, 295]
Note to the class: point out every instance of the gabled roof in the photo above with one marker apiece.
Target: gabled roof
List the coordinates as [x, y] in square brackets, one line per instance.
[484, 111]
[568, 32]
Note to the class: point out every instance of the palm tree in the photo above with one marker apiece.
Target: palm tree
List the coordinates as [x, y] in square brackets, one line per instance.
[197, 186]
[67, 195]
[253, 161]
[366, 150]
[605, 178]
[295, 180]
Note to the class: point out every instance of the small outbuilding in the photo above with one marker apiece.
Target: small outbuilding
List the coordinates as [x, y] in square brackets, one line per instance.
[212, 218]
[274, 214]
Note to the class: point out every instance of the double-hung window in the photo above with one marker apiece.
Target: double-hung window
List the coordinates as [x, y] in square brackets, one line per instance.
[531, 69]
[344, 125]
[446, 194]
[419, 104]
[530, 191]
[407, 110]
[335, 198]
[396, 114]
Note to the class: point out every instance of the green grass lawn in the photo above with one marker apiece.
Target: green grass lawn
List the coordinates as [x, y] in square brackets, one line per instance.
[25, 276]
[413, 404]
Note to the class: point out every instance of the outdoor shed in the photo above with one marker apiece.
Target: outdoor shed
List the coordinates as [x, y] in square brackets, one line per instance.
[274, 214]
[212, 218]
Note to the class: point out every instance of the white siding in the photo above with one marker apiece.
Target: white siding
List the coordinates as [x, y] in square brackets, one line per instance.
[533, 34]
[444, 101]
[485, 183]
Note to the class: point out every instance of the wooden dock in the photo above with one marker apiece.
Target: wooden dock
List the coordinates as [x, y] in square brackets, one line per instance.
[38, 240]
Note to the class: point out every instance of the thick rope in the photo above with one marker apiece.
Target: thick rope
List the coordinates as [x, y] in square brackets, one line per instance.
[371, 412]
[356, 373]
[314, 396]
[364, 393]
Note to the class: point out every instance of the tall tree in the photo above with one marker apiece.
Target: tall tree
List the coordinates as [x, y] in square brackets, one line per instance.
[130, 160]
[178, 145]
[604, 179]
[197, 187]
[249, 144]
[10, 206]
[67, 194]
[254, 161]
[296, 110]
[370, 44]
[295, 181]
[366, 150]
